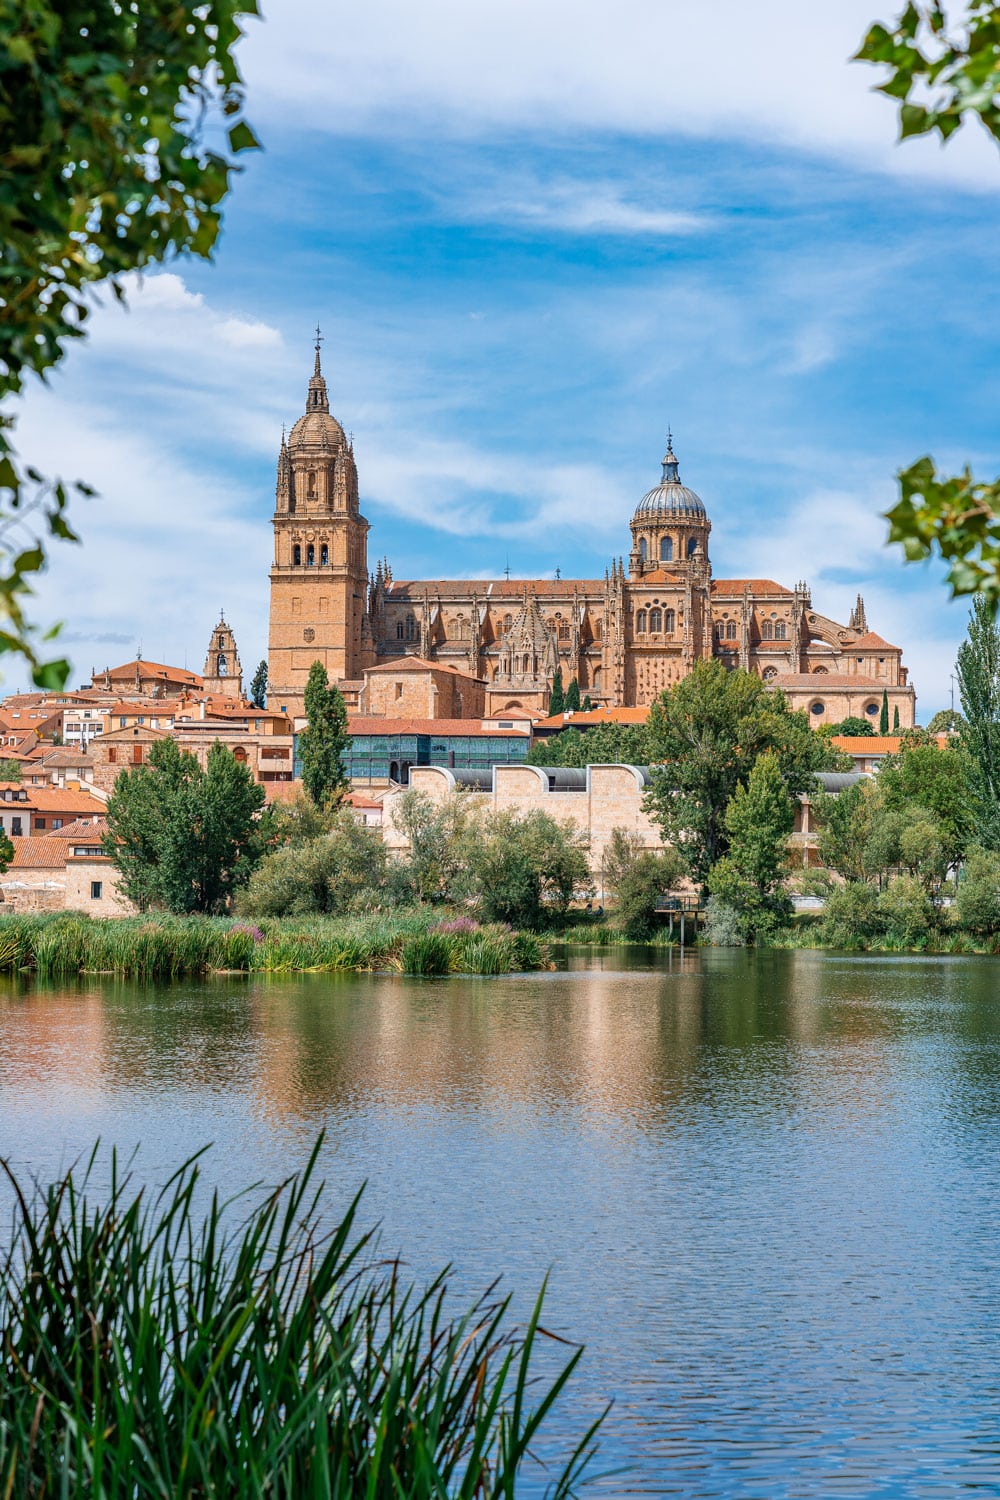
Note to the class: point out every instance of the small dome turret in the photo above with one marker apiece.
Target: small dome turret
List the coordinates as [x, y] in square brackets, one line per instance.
[670, 497]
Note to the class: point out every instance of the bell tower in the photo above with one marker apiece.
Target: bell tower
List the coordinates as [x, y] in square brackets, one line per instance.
[319, 578]
[223, 675]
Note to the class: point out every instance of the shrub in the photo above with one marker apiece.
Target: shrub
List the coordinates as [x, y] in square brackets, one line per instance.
[906, 912]
[338, 872]
[148, 1351]
[527, 869]
[722, 927]
[427, 953]
[977, 899]
[851, 917]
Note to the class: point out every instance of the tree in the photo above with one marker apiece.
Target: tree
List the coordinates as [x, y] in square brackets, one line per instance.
[182, 837]
[978, 672]
[750, 878]
[119, 128]
[638, 878]
[323, 745]
[437, 836]
[343, 870]
[587, 705]
[527, 869]
[603, 744]
[258, 686]
[938, 781]
[883, 718]
[704, 738]
[895, 719]
[946, 721]
[557, 698]
[10, 770]
[849, 726]
[6, 852]
[572, 704]
[977, 898]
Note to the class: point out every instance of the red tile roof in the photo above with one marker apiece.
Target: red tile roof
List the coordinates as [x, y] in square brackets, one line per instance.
[876, 744]
[485, 589]
[581, 720]
[38, 854]
[426, 726]
[870, 641]
[737, 586]
[90, 829]
[419, 664]
[151, 669]
[820, 682]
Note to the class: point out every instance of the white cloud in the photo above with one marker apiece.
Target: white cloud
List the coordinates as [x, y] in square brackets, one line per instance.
[578, 207]
[774, 71]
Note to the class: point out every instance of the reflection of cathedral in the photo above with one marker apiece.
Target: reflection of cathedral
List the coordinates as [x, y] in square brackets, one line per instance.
[624, 637]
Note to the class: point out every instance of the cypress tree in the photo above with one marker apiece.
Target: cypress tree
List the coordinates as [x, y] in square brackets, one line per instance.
[978, 672]
[883, 718]
[324, 744]
[895, 719]
[258, 686]
[557, 698]
[573, 695]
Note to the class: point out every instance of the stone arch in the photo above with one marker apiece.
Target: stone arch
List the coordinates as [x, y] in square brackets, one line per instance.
[669, 622]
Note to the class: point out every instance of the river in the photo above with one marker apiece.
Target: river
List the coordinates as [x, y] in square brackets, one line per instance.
[766, 1186]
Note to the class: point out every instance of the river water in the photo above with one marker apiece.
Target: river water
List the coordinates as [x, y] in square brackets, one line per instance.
[766, 1186]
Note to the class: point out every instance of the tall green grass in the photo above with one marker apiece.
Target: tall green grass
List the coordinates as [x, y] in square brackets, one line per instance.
[161, 947]
[147, 1350]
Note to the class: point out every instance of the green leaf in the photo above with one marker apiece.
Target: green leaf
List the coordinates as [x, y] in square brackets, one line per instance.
[242, 138]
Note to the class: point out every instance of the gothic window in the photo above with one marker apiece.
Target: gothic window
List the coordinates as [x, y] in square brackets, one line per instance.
[640, 622]
[655, 621]
[464, 630]
[411, 628]
[692, 545]
[324, 556]
[564, 630]
[730, 630]
[399, 630]
[597, 680]
[222, 669]
[643, 549]
[720, 631]
[666, 549]
[507, 623]
[668, 622]
[296, 556]
[767, 631]
[770, 673]
[598, 629]
[779, 631]
[452, 631]
[310, 556]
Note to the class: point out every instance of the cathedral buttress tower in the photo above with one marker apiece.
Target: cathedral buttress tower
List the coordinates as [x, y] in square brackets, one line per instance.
[319, 578]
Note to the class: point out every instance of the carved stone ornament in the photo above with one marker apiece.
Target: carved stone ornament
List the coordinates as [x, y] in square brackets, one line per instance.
[308, 635]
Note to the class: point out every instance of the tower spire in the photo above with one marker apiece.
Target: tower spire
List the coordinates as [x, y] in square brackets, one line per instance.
[317, 399]
[671, 474]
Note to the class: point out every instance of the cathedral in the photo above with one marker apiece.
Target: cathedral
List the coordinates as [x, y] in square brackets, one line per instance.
[468, 648]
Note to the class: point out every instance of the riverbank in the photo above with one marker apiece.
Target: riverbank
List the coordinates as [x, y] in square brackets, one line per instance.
[62, 945]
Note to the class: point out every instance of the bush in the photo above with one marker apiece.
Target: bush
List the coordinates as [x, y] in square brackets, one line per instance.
[527, 870]
[906, 912]
[341, 871]
[427, 953]
[977, 900]
[851, 917]
[722, 928]
[638, 879]
[148, 1351]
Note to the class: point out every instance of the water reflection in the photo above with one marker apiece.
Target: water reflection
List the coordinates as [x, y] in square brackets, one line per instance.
[767, 1185]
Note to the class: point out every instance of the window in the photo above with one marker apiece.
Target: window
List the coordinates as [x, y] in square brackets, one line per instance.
[311, 485]
[141, 719]
[817, 707]
[780, 631]
[399, 630]
[222, 643]
[597, 679]
[39, 822]
[767, 631]
[15, 827]
[310, 556]
[598, 629]
[643, 549]
[56, 822]
[324, 556]
[563, 630]
[871, 709]
[296, 556]
[507, 623]
[136, 758]
[692, 545]
[668, 622]
[411, 627]
[112, 755]
[399, 690]
[720, 631]
[640, 622]
[96, 890]
[122, 721]
[655, 621]
[666, 549]
[730, 630]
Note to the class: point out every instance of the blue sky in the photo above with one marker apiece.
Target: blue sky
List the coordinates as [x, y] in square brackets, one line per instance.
[535, 235]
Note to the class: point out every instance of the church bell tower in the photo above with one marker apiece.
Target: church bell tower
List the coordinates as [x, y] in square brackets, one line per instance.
[223, 674]
[319, 578]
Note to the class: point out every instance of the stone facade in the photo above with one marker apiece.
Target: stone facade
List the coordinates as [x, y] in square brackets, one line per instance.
[624, 637]
[223, 674]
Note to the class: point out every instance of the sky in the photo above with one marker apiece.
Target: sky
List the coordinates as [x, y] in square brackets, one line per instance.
[535, 235]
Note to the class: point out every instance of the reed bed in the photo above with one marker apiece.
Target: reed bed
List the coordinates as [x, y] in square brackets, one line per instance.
[149, 1350]
[162, 947]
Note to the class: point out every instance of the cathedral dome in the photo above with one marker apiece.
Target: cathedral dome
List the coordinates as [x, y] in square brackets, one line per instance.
[670, 497]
